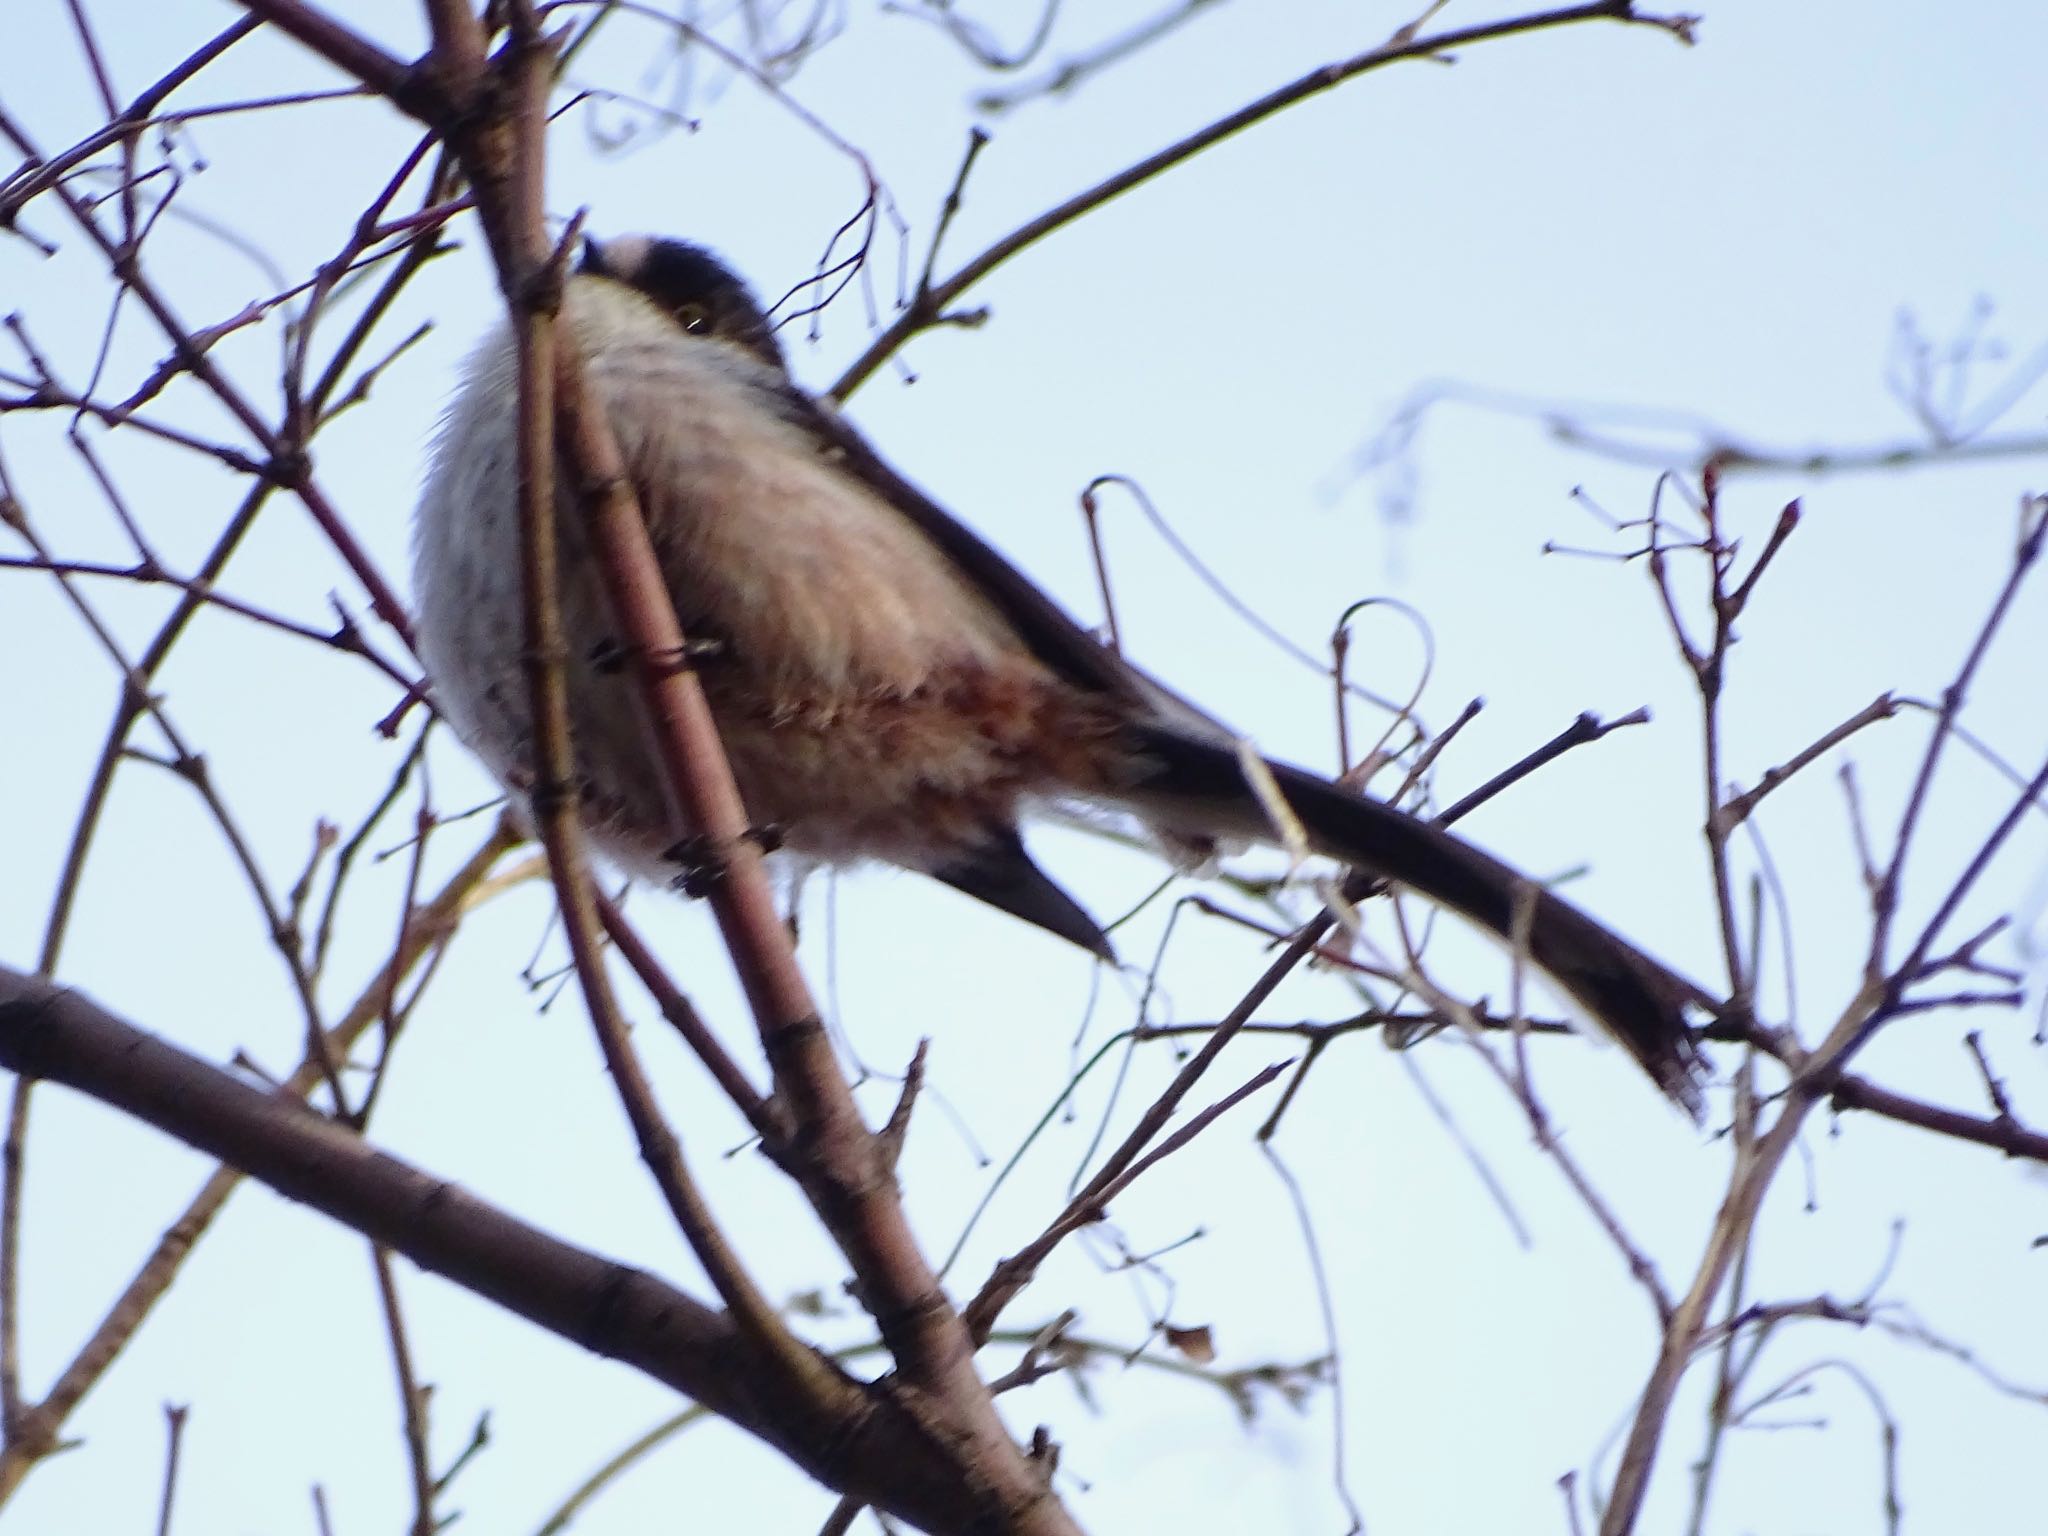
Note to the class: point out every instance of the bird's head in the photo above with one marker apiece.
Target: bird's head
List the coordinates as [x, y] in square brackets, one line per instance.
[688, 284]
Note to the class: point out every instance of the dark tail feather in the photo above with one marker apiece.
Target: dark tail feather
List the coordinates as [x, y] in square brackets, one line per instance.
[1200, 784]
[1001, 873]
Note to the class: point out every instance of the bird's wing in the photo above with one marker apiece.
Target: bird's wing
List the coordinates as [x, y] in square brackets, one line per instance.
[1193, 764]
[1051, 634]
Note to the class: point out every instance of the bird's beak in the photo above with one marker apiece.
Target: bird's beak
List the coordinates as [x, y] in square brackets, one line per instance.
[593, 257]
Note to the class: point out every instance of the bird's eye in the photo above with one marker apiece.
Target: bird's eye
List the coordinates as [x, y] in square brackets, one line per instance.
[694, 317]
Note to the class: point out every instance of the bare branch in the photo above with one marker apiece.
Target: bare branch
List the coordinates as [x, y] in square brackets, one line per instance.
[875, 1448]
[933, 301]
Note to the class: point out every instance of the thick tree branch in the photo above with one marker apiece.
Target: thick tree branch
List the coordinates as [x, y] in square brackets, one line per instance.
[878, 1451]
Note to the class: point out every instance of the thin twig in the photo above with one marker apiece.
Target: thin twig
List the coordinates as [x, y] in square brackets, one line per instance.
[412, 1401]
[934, 301]
[175, 1415]
[35, 1431]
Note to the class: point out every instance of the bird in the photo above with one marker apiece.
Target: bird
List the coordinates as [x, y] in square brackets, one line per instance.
[888, 688]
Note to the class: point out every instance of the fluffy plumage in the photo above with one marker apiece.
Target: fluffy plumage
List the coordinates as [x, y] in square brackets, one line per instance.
[887, 686]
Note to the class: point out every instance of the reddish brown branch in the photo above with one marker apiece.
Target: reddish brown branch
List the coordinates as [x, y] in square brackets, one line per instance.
[505, 160]
[840, 1165]
[837, 1161]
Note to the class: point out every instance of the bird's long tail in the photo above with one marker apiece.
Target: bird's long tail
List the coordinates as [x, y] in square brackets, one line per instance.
[1200, 784]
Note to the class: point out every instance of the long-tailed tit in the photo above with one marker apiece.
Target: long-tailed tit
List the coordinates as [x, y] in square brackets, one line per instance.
[886, 685]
